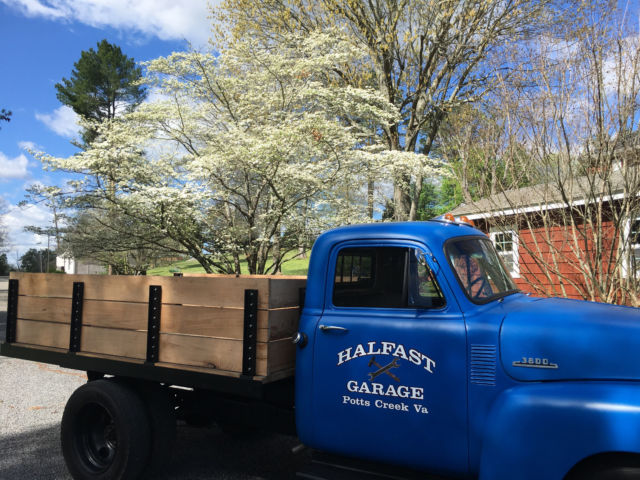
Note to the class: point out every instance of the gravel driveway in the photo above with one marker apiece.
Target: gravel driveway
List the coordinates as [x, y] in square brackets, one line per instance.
[32, 399]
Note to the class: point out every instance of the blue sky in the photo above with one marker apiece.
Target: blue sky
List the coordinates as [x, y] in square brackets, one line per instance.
[41, 40]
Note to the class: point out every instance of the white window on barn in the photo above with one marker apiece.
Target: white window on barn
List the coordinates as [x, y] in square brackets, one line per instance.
[506, 242]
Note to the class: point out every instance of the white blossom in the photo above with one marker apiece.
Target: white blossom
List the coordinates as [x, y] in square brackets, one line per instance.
[259, 146]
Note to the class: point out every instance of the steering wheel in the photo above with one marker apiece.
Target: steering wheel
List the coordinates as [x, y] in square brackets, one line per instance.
[483, 283]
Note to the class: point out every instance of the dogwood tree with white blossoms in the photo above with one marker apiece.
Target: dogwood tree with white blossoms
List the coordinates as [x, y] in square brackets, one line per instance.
[244, 154]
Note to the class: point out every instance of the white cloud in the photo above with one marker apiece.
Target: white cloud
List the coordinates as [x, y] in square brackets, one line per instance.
[62, 120]
[13, 167]
[34, 8]
[16, 219]
[165, 19]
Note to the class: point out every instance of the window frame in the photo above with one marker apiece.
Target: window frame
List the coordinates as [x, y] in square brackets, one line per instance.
[628, 250]
[515, 252]
[408, 247]
[445, 249]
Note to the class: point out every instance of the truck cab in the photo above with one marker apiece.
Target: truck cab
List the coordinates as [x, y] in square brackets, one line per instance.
[416, 348]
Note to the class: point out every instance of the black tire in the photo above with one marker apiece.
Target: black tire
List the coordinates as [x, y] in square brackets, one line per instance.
[162, 423]
[105, 432]
[614, 473]
[611, 466]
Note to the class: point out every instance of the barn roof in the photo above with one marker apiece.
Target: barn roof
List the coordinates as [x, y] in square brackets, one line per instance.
[551, 195]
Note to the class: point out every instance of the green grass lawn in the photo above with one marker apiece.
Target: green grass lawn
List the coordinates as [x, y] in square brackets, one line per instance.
[297, 266]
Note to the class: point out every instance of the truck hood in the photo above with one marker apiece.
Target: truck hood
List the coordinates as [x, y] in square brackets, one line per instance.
[560, 339]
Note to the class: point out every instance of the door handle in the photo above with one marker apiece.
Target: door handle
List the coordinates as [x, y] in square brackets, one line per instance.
[329, 328]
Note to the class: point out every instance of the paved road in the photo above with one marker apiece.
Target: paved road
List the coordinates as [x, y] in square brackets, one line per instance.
[32, 399]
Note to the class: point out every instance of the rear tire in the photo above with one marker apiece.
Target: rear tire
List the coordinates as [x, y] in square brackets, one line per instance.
[105, 432]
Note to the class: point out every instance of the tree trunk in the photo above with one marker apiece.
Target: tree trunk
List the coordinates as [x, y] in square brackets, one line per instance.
[401, 198]
[370, 192]
[415, 199]
[277, 258]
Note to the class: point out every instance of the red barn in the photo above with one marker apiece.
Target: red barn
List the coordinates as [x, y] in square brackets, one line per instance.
[579, 238]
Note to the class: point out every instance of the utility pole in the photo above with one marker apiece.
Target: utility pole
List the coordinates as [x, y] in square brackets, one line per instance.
[48, 237]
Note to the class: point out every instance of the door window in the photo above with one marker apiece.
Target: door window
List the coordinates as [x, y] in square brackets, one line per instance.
[384, 277]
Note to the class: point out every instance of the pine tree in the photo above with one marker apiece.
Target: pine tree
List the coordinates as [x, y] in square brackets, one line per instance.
[102, 84]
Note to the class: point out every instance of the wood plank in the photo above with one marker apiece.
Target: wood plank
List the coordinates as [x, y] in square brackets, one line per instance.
[56, 310]
[110, 341]
[274, 356]
[47, 334]
[207, 321]
[282, 355]
[135, 361]
[211, 290]
[43, 284]
[227, 322]
[283, 323]
[216, 353]
[125, 315]
[284, 291]
[186, 319]
[41, 347]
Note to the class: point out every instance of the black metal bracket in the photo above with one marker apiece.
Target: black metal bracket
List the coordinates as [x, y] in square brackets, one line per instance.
[302, 292]
[153, 326]
[75, 333]
[250, 333]
[12, 310]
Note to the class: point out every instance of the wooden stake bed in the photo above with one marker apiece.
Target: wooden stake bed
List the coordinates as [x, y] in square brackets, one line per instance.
[203, 323]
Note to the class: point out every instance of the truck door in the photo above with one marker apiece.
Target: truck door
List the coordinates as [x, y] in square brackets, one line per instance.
[389, 367]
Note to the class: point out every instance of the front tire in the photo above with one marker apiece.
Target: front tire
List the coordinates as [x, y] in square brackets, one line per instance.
[607, 466]
[105, 432]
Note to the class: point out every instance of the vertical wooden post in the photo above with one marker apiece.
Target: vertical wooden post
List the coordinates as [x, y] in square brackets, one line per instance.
[250, 333]
[75, 332]
[12, 311]
[153, 325]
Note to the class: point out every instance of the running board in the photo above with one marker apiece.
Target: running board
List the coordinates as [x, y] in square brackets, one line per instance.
[332, 467]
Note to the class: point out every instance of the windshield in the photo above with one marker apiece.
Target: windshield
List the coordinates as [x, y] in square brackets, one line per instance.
[479, 269]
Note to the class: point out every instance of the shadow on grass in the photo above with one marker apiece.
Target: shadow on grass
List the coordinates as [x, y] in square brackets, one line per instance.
[199, 454]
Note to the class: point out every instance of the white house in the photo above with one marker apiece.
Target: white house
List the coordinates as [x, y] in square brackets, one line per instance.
[68, 264]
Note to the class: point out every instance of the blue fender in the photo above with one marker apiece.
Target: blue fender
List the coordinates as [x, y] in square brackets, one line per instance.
[540, 431]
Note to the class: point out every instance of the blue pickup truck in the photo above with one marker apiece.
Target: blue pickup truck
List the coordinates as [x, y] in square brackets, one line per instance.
[414, 350]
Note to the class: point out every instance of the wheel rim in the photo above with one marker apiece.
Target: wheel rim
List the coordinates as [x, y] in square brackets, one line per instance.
[97, 438]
